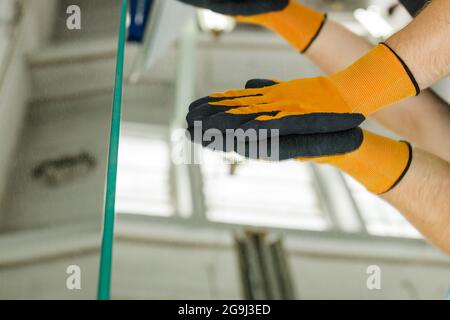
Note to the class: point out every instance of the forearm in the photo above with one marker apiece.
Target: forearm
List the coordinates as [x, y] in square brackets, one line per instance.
[424, 44]
[332, 39]
[423, 120]
[422, 197]
[414, 181]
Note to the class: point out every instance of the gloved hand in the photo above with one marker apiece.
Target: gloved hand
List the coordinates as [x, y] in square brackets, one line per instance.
[240, 7]
[377, 162]
[315, 105]
[298, 24]
[279, 148]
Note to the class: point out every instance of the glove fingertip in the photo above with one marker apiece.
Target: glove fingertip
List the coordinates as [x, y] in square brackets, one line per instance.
[259, 83]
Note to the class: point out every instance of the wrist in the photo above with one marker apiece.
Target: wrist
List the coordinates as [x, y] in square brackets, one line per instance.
[298, 24]
[379, 163]
[264, 19]
[423, 77]
[378, 79]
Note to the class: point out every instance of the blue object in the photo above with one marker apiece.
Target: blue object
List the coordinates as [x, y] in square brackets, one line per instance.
[139, 15]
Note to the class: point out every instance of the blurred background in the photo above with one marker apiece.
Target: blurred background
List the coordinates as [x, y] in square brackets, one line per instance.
[246, 230]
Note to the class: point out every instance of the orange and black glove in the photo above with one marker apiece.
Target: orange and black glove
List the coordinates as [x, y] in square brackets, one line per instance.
[379, 163]
[296, 23]
[340, 101]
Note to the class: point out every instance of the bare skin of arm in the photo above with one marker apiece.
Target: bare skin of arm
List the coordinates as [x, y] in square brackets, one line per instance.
[422, 120]
[424, 44]
[422, 197]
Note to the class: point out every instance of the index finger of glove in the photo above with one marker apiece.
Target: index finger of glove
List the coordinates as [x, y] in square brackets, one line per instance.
[203, 101]
[230, 94]
[227, 95]
[260, 83]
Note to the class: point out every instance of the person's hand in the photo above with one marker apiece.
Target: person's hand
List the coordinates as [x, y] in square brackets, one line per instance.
[314, 105]
[280, 148]
[283, 147]
[379, 163]
[304, 106]
[240, 7]
[298, 24]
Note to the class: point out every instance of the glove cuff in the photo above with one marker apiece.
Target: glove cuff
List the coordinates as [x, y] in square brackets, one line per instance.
[298, 24]
[379, 164]
[378, 79]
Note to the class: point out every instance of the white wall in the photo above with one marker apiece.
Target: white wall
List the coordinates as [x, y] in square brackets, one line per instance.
[33, 32]
[71, 113]
[161, 261]
[154, 261]
[53, 130]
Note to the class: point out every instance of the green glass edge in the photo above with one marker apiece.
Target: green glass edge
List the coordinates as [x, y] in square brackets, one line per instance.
[106, 252]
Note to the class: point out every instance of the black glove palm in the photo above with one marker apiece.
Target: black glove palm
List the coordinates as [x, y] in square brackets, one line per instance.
[240, 7]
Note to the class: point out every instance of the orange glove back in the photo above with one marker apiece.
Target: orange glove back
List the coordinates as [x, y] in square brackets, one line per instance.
[315, 105]
[296, 23]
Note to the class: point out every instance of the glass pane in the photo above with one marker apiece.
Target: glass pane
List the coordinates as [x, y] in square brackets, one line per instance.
[380, 217]
[57, 61]
[143, 185]
[261, 193]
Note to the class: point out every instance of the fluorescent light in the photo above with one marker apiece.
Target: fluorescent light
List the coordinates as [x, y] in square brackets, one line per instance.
[215, 22]
[372, 20]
